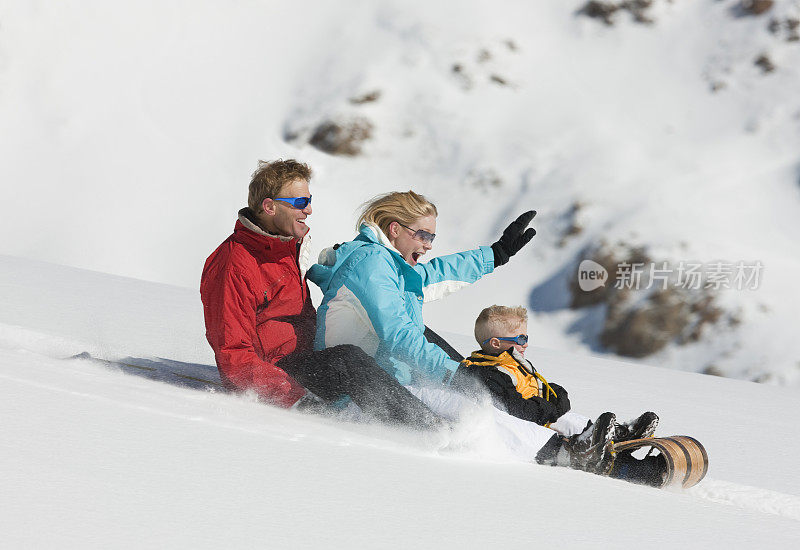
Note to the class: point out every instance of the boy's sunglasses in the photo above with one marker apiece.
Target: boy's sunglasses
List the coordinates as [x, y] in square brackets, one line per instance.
[297, 202]
[520, 340]
[421, 234]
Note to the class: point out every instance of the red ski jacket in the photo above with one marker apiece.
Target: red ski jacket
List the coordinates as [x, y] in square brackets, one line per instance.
[257, 309]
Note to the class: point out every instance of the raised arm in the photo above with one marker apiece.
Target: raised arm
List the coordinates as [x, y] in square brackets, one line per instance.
[446, 274]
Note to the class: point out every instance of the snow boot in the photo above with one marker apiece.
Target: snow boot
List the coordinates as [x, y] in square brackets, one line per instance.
[638, 428]
[590, 450]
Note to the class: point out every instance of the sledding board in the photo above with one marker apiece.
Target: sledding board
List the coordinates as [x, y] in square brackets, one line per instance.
[687, 460]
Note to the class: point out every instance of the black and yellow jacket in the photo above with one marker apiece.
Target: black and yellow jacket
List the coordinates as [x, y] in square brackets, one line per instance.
[517, 387]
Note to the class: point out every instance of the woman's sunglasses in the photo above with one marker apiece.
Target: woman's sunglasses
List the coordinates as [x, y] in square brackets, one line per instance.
[421, 234]
[297, 202]
[520, 340]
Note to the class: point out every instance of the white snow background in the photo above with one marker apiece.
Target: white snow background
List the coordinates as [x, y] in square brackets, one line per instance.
[129, 131]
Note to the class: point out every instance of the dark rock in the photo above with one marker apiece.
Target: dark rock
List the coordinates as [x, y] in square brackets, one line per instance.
[718, 85]
[461, 75]
[290, 134]
[498, 80]
[644, 330]
[342, 138]
[788, 29]
[572, 225]
[605, 11]
[637, 9]
[755, 7]
[599, 10]
[793, 26]
[764, 63]
[369, 97]
[713, 370]
[774, 26]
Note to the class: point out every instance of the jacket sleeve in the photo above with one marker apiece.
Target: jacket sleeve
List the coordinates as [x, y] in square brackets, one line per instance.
[229, 307]
[534, 409]
[374, 283]
[446, 274]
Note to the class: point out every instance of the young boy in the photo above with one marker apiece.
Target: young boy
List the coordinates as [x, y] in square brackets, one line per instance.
[516, 386]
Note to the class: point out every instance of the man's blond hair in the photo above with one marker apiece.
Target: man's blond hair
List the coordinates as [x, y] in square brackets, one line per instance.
[404, 207]
[270, 177]
[498, 321]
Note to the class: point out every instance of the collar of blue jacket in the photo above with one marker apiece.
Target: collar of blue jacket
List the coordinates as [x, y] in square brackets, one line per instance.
[331, 260]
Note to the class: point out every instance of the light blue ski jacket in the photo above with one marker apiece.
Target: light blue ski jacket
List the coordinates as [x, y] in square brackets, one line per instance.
[373, 298]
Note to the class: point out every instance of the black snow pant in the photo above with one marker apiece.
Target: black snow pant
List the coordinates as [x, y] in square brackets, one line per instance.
[347, 370]
[646, 471]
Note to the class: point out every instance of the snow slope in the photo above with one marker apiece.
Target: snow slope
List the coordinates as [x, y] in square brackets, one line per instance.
[130, 130]
[97, 456]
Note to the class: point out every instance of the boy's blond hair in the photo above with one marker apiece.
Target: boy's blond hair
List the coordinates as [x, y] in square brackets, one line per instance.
[496, 320]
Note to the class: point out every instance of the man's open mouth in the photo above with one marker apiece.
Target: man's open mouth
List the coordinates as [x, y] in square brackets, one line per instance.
[415, 256]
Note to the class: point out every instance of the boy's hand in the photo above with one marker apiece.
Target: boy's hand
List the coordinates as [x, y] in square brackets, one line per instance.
[514, 238]
[561, 401]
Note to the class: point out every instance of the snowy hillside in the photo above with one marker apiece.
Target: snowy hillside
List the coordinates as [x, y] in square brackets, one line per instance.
[98, 457]
[130, 130]
[665, 133]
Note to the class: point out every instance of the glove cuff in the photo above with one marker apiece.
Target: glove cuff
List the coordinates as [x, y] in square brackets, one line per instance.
[500, 255]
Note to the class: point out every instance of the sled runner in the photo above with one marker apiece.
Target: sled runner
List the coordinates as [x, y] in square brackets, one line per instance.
[686, 458]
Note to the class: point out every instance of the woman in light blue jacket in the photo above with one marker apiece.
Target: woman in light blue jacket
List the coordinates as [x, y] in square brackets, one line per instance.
[374, 285]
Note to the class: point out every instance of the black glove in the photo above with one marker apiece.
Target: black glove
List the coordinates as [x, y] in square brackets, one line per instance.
[561, 401]
[514, 238]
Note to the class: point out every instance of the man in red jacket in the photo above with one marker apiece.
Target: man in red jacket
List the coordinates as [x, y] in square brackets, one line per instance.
[259, 317]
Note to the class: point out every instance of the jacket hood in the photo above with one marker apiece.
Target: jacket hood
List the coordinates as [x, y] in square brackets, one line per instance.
[332, 258]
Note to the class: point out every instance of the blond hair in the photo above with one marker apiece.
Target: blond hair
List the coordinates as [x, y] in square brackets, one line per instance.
[496, 320]
[270, 177]
[396, 206]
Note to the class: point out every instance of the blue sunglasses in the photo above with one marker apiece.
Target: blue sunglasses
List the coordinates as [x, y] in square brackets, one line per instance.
[297, 202]
[520, 340]
[420, 234]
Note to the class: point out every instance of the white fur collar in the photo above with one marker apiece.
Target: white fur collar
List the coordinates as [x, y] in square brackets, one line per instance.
[381, 236]
[303, 256]
[256, 229]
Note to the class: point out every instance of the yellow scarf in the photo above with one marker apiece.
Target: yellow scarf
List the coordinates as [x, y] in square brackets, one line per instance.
[526, 383]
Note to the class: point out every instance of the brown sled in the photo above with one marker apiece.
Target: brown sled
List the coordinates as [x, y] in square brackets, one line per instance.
[687, 460]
